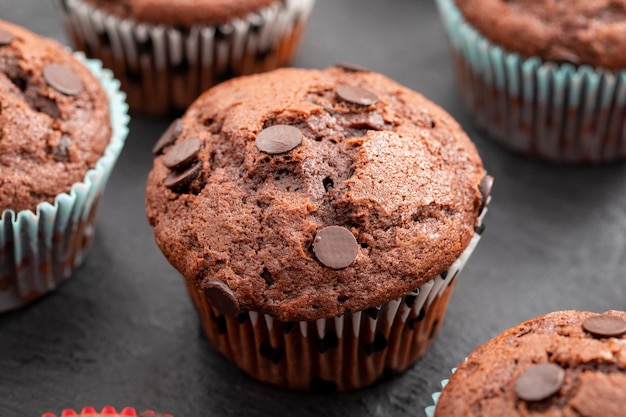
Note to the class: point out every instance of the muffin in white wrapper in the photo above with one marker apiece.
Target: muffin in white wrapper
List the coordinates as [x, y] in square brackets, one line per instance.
[164, 68]
[339, 353]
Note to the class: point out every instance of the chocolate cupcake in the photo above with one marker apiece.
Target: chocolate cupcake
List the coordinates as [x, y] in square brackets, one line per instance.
[62, 126]
[167, 52]
[320, 220]
[567, 363]
[107, 411]
[543, 78]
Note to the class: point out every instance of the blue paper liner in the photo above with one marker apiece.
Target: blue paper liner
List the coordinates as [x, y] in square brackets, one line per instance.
[165, 68]
[430, 410]
[554, 111]
[40, 249]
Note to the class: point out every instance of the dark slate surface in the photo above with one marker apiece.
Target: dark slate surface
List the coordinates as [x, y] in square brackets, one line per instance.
[123, 332]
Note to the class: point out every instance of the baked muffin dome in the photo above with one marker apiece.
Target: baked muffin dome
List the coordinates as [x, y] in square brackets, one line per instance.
[576, 31]
[54, 119]
[248, 182]
[566, 363]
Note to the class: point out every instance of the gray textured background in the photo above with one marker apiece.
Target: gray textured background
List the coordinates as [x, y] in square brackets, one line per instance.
[123, 332]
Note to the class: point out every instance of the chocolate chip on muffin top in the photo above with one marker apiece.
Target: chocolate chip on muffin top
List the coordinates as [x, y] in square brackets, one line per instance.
[310, 201]
[567, 363]
[581, 32]
[54, 119]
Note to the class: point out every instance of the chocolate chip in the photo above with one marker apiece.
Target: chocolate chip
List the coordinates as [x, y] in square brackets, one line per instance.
[605, 326]
[330, 341]
[63, 79]
[182, 154]
[179, 180]
[62, 150]
[351, 67]
[222, 298]
[372, 312]
[485, 189]
[278, 139]
[379, 344]
[168, 137]
[222, 327]
[539, 382]
[5, 37]
[356, 95]
[273, 354]
[335, 247]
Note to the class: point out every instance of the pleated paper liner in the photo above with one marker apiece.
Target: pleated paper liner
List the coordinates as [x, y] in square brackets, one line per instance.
[165, 69]
[430, 410]
[39, 250]
[106, 411]
[553, 111]
[339, 353]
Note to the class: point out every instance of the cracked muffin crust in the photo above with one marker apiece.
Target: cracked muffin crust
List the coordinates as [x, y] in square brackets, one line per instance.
[587, 350]
[54, 119]
[576, 31]
[374, 159]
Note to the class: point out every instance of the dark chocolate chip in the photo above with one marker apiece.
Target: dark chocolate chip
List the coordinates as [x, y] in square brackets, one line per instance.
[479, 230]
[183, 154]
[221, 324]
[222, 298]
[5, 37]
[539, 382]
[168, 137]
[63, 79]
[62, 150]
[372, 312]
[351, 67]
[322, 386]
[433, 329]
[379, 344]
[278, 139]
[412, 322]
[328, 183]
[356, 95]
[444, 274]
[243, 317]
[330, 341]
[288, 326]
[409, 300]
[603, 325]
[177, 181]
[485, 189]
[335, 247]
[273, 354]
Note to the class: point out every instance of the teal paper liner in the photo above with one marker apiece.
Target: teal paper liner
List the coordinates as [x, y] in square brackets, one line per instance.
[554, 111]
[430, 410]
[39, 250]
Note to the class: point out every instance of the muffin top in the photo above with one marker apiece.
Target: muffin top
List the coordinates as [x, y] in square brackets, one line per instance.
[181, 12]
[567, 363]
[591, 32]
[303, 194]
[54, 119]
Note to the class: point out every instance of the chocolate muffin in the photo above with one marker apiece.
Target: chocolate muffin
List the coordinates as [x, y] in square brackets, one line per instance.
[167, 52]
[543, 77]
[59, 140]
[567, 363]
[311, 197]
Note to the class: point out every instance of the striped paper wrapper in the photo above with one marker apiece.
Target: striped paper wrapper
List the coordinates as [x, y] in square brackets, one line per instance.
[340, 353]
[40, 249]
[554, 111]
[165, 68]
